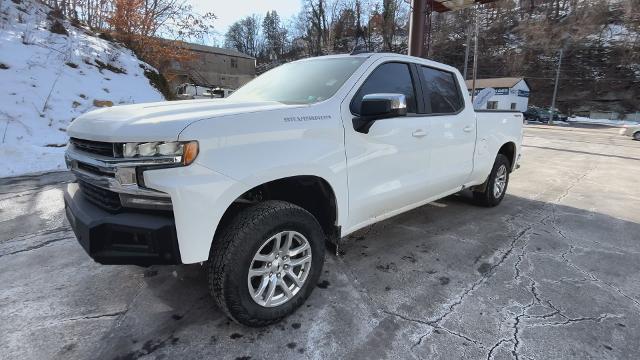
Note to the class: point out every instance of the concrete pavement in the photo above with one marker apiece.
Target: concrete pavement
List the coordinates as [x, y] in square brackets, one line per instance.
[550, 273]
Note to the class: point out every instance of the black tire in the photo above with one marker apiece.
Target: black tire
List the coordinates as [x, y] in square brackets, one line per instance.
[487, 196]
[233, 250]
[636, 136]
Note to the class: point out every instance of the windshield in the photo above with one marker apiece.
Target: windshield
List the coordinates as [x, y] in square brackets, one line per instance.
[303, 82]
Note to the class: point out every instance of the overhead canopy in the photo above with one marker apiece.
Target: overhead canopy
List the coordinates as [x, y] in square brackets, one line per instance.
[453, 5]
[417, 25]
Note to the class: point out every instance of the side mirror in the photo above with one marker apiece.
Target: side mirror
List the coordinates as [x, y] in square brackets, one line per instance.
[379, 106]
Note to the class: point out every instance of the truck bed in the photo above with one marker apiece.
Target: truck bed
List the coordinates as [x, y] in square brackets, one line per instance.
[495, 128]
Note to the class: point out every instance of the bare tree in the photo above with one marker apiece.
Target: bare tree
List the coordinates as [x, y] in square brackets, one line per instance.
[244, 35]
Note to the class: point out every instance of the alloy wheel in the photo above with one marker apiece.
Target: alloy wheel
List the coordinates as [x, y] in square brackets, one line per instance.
[500, 182]
[279, 268]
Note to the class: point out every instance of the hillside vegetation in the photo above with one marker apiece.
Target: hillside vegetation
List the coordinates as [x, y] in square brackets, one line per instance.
[51, 72]
[600, 40]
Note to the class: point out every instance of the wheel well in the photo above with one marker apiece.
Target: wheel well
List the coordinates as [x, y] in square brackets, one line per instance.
[311, 193]
[509, 150]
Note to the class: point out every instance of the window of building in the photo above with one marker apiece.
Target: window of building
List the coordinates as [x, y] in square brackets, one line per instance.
[390, 78]
[234, 63]
[492, 105]
[513, 106]
[441, 92]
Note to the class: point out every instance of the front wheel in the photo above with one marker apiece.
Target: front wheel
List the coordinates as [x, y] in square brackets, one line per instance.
[266, 263]
[496, 186]
[636, 136]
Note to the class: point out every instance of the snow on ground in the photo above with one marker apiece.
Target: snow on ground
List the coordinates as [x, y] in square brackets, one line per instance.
[49, 79]
[586, 120]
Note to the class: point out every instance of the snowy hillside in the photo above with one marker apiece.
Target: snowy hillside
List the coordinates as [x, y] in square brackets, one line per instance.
[48, 79]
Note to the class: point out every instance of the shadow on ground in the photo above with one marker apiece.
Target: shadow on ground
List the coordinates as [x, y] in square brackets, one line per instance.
[447, 280]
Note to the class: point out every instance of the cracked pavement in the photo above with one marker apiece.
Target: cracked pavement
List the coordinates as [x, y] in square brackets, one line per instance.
[550, 273]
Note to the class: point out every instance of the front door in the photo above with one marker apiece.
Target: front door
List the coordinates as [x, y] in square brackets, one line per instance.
[388, 166]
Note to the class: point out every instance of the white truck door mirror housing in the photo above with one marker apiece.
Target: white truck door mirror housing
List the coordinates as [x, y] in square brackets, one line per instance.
[379, 106]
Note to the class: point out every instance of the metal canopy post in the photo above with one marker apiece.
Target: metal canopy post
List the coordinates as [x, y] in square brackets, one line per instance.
[420, 9]
[466, 53]
[475, 57]
[416, 27]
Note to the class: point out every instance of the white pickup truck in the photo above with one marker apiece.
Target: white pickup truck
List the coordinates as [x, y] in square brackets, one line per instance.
[254, 186]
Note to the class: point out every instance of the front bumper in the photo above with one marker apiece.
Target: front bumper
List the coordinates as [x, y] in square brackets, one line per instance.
[126, 238]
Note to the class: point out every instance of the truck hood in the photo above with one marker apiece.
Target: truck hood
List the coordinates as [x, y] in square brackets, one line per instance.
[161, 121]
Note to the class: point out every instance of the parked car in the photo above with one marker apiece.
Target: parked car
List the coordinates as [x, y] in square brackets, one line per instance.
[558, 116]
[543, 115]
[192, 91]
[254, 185]
[537, 114]
[631, 130]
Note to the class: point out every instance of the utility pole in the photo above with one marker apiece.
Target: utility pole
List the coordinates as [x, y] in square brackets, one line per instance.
[555, 88]
[475, 57]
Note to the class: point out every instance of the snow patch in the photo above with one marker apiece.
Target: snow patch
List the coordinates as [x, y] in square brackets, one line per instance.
[586, 120]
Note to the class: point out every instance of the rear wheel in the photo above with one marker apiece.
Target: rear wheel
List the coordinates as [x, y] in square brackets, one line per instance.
[496, 186]
[636, 136]
[266, 263]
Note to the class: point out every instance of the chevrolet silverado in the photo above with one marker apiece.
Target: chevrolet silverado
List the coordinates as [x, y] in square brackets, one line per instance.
[255, 185]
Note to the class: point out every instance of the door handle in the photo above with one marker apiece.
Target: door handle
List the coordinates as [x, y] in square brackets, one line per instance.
[468, 128]
[419, 133]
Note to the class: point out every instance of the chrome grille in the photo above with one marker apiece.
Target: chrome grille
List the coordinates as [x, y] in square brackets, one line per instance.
[93, 147]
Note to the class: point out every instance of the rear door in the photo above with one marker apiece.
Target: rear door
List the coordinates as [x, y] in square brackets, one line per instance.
[453, 130]
[388, 165]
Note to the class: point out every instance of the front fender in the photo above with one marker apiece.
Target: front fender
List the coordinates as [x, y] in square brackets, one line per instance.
[256, 148]
[200, 196]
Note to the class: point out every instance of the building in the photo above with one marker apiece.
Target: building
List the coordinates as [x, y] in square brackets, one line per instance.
[212, 67]
[511, 93]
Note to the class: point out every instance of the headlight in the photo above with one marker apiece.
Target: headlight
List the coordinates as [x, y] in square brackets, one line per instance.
[148, 149]
[171, 148]
[185, 150]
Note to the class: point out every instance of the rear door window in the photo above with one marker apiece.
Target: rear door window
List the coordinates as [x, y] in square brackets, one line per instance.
[441, 92]
[388, 78]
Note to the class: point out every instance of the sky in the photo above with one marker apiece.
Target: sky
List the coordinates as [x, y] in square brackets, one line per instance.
[230, 11]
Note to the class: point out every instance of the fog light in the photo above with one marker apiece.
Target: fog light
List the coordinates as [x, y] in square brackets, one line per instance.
[144, 202]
